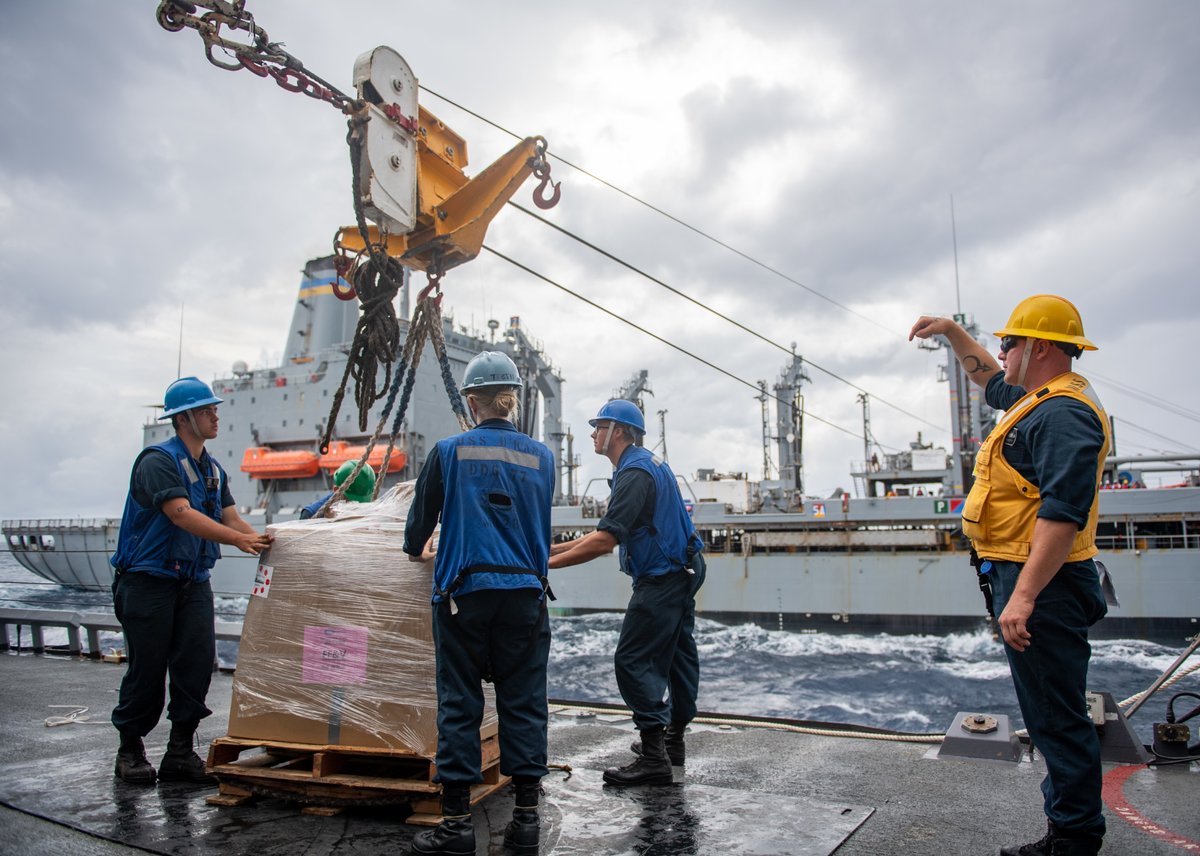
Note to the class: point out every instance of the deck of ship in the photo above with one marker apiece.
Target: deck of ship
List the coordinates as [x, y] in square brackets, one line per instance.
[749, 790]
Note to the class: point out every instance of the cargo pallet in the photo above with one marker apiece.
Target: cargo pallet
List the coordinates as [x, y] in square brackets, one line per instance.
[328, 779]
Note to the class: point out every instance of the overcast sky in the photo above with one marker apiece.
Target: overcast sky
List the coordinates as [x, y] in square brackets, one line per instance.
[824, 141]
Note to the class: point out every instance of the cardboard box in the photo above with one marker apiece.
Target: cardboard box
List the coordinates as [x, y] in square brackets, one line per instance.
[337, 645]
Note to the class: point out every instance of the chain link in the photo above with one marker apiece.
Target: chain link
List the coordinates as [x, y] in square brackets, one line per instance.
[260, 55]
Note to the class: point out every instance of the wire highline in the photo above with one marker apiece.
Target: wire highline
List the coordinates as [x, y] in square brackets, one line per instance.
[754, 386]
[720, 315]
[670, 216]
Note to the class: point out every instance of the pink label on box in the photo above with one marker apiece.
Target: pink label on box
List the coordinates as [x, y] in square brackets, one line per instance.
[335, 655]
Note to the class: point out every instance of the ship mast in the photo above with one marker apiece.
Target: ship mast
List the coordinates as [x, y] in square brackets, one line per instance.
[789, 424]
[763, 397]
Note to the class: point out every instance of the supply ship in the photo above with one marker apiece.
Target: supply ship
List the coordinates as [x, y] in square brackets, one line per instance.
[891, 558]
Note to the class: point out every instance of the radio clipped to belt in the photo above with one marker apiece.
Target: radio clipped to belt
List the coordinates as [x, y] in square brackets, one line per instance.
[982, 568]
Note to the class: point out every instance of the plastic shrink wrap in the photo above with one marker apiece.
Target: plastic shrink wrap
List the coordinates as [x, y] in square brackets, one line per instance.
[337, 646]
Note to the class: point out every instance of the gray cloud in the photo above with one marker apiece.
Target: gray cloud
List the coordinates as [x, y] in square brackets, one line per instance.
[824, 140]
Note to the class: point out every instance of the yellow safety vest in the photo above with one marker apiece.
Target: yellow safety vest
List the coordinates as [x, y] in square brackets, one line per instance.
[1002, 507]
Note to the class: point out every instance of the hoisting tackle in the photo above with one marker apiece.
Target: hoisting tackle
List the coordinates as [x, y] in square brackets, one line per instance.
[414, 206]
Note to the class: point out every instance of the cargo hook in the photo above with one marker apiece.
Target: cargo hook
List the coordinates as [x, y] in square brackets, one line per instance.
[541, 169]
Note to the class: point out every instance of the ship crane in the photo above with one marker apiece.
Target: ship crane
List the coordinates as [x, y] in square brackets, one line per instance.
[415, 208]
[408, 165]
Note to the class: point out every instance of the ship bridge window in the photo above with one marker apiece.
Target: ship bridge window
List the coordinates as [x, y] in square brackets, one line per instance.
[14, 540]
[47, 542]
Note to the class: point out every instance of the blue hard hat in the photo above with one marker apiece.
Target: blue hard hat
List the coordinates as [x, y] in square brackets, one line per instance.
[490, 368]
[622, 411]
[187, 393]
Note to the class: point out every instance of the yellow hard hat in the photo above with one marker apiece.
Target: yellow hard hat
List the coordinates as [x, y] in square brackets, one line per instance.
[1047, 316]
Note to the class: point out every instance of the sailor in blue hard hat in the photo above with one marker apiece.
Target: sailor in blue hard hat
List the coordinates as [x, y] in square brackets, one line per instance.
[178, 511]
[614, 413]
[185, 396]
[491, 488]
[657, 664]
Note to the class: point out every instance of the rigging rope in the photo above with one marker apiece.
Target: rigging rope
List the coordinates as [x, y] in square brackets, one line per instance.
[78, 716]
[775, 725]
[426, 323]
[377, 279]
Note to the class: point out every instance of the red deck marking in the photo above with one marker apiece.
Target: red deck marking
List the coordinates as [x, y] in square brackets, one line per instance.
[1114, 798]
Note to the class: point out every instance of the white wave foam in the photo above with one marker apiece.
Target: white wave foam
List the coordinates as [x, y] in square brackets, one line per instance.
[979, 670]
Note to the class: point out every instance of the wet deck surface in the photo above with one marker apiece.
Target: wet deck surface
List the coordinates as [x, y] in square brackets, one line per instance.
[749, 790]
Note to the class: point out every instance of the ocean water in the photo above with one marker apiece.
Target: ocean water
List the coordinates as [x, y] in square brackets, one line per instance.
[907, 683]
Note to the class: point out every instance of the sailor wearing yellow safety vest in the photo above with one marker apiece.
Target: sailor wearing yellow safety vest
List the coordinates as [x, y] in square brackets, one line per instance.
[1031, 517]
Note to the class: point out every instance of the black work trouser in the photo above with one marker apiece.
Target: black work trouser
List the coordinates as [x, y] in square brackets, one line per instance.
[657, 664]
[1050, 677]
[168, 626]
[504, 633]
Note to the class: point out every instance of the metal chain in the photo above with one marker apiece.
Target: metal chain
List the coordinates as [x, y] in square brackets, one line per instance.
[437, 337]
[260, 55]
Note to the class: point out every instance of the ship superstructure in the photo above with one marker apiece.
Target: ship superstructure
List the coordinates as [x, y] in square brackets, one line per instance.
[889, 557]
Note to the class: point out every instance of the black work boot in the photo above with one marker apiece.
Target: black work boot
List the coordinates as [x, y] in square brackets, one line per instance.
[521, 834]
[132, 764]
[181, 763]
[672, 740]
[1076, 845]
[455, 835]
[1058, 843]
[652, 767]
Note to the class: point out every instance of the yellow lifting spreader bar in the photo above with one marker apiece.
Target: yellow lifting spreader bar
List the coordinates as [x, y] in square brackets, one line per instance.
[453, 211]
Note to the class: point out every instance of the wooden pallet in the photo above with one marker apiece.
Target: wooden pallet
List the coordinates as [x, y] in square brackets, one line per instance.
[328, 779]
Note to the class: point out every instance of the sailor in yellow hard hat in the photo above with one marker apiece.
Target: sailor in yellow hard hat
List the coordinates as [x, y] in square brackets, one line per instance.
[1031, 516]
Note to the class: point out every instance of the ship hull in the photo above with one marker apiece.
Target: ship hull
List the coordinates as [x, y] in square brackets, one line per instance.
[861, 591]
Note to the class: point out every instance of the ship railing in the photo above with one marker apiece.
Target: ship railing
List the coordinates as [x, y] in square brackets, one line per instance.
[58, 523]
[90, 623]
[1147, 541]
[296, 375]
